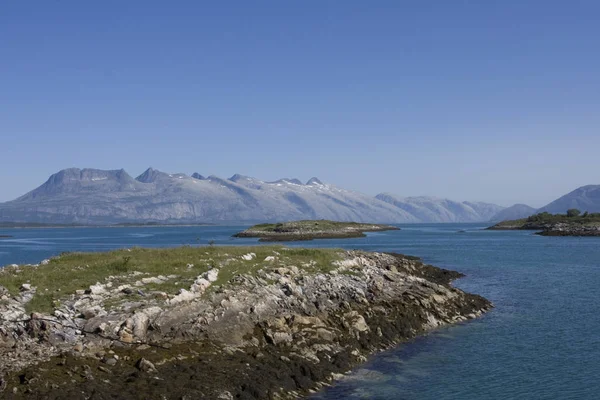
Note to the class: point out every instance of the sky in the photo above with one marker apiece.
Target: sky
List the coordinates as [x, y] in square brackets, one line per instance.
[469, 100]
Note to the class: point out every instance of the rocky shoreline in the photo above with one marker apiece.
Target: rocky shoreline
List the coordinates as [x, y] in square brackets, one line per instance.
[279, 329]
[562, 229]
[310, 230]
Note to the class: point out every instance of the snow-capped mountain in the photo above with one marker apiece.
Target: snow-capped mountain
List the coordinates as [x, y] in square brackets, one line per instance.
[97, 196]
[92, 196]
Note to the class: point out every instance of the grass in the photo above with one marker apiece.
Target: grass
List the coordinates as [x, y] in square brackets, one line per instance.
[591, 219]
[309, 226]
[69, 272]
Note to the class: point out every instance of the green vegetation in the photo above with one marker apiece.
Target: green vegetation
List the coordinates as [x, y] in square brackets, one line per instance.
[76, 271]
[574, 218]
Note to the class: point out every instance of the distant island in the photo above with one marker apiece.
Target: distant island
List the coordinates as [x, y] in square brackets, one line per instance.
[573, 223]
[311, 229]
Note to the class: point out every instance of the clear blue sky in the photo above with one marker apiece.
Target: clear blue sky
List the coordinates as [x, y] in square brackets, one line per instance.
[470, 100]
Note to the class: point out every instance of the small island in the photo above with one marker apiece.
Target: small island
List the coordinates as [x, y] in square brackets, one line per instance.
[311, 229]
[5, 236]
[573, 223]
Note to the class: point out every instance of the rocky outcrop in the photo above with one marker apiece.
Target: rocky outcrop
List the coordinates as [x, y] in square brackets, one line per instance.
[565, 229]
[278, 332]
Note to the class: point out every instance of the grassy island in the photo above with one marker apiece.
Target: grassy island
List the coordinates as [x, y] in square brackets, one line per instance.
[311, 229]
[573, 223]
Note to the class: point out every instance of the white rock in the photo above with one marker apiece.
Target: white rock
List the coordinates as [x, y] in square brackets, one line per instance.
[248, 257]
[98, 288]
[270, 258]
[153, 279]
[360, 324]
[25, 287]
[145, 366]
[200, 285]
[140, 323]
[92, 312]
[347, 263]
[211, 275]
[183, 295]
[45, 262]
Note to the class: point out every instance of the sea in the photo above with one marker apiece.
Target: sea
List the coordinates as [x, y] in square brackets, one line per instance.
[541, 341]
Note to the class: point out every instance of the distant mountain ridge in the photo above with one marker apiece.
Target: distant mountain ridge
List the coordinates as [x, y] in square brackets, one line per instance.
[516, 211]
[584, 198]
[93, 196]
[432, 209]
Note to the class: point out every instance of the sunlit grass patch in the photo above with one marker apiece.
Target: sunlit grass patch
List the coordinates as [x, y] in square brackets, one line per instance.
[64, 275]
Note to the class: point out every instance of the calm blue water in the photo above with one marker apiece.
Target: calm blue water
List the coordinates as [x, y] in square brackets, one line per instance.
[542, 341]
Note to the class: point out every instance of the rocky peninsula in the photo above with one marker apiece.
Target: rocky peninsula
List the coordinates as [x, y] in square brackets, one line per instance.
[263, 322]
[311, 229]
[571, 224]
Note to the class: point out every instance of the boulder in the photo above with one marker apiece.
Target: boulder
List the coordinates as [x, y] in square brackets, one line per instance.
[145, 366]
[249, 256]
[200, 285]
[97, 289]
[25, 287]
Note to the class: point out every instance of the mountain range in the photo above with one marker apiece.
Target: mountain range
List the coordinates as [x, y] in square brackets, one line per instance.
[585, 198]
[516, 211]
[93, 196]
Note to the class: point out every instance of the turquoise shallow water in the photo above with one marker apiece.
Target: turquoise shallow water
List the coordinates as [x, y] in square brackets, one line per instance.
[542, 341]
